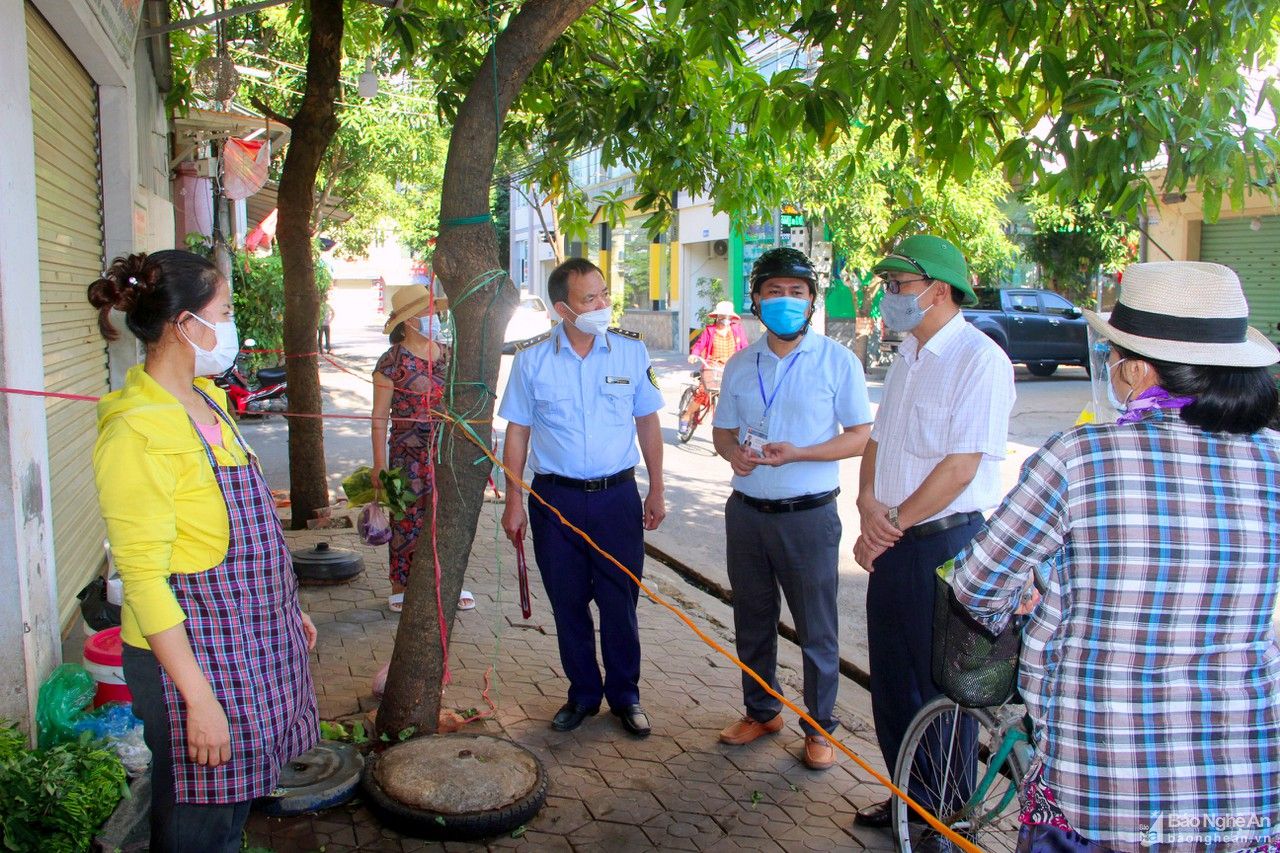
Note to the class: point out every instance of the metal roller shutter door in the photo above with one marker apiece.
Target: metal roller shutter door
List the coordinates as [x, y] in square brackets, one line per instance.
[1255, 256]
[64, 108]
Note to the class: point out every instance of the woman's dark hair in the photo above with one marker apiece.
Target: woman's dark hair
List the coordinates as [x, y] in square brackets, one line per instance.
[397, 333]
[1239, 400]
[152, 291]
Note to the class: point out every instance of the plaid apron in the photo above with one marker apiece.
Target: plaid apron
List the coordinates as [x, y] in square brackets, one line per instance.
[245, 628]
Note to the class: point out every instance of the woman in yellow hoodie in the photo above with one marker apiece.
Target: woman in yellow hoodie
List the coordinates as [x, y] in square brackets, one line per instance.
[215, 642]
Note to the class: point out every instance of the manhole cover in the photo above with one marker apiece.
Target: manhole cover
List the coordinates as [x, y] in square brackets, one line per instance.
[456, 786]
[322, 777]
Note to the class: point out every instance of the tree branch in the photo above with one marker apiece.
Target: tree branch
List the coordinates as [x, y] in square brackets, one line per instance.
[262, 107]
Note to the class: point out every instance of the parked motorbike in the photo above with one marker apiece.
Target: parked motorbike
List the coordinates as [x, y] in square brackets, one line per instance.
[260, 393]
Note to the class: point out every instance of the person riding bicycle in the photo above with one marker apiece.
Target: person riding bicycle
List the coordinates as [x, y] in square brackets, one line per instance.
[721, 338]
[1150, 669]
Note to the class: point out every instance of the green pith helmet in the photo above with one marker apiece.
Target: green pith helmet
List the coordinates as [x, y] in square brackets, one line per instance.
[932, 257]
[783, 262]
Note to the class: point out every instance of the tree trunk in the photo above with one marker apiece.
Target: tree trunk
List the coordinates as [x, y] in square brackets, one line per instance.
[311, 129]
[464, 254]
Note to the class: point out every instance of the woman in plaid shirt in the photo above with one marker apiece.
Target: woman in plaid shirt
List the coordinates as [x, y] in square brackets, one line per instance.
[1151, 667]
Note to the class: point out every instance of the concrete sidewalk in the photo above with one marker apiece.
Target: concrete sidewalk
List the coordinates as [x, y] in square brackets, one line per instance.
[679, 789]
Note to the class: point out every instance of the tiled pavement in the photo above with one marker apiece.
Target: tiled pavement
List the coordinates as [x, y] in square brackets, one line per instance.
[679, 789]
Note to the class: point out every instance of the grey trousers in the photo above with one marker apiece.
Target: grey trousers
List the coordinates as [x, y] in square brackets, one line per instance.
[797, 552]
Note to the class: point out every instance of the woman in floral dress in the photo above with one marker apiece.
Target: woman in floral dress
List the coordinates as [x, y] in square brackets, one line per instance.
[408, 384]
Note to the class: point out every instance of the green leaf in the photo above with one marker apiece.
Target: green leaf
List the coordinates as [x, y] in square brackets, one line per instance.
[1055, 72]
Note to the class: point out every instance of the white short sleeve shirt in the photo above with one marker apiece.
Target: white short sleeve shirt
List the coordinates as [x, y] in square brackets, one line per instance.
[954, 395]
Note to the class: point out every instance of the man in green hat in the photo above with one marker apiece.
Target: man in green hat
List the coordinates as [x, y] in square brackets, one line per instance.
[929, 471]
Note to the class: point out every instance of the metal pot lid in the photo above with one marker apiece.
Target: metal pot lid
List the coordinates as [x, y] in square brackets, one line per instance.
[322, 554]
[322, 777]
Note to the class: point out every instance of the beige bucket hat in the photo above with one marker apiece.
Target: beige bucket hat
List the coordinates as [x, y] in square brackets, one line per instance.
[724, 308]
[408, 301]
[1185, 312]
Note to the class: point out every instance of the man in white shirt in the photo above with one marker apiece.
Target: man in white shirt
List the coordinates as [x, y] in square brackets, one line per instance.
[929, 470]
[792, 405]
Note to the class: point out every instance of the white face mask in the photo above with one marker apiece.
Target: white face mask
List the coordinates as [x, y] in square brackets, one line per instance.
[429, 326]
[223, 355]
[594, 322]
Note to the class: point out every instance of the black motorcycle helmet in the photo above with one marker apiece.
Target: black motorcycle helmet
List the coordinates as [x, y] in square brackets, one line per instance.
[783, 262]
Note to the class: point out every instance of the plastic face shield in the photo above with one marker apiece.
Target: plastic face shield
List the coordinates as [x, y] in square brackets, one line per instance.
[1100, 409]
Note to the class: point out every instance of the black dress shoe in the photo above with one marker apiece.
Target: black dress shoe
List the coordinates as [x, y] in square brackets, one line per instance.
[571, 716]
[633, 719]
[876, 817]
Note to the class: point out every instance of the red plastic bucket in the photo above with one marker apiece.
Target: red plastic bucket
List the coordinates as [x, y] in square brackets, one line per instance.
[103, 657]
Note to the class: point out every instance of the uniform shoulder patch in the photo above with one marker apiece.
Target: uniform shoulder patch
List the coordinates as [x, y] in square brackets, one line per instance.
[626, 333]
[523, 345]
[653, 378]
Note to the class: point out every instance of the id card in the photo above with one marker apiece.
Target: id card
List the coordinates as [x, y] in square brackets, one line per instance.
[755, 440]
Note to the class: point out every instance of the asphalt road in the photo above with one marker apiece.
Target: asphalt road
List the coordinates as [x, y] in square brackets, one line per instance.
[697, 480]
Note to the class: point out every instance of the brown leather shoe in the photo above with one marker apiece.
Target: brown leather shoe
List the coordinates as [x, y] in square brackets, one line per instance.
[747, 730]
[819, 754]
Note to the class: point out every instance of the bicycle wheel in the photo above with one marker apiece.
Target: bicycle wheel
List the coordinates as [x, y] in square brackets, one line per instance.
[690, 424]
[945, 765]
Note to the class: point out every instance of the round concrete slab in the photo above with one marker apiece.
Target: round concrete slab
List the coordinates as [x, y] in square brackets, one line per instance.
[456, 786]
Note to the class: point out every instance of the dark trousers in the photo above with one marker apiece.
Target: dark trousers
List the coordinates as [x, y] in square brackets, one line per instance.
[900, 597]
[323, 341]
[799, 553]
[175, 827]
[575, 574]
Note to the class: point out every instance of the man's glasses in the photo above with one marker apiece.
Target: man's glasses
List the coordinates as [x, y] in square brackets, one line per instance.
[894, 286]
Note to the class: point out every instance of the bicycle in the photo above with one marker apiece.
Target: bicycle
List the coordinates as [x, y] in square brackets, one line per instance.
[705, 394]
[962, 762]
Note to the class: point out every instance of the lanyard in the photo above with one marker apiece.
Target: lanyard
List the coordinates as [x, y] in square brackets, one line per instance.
[768, 401]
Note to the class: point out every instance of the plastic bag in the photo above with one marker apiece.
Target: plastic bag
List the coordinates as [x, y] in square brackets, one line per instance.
[116, 724]
[61, 703]
[372, 525]
[358, 487]
[99, 613]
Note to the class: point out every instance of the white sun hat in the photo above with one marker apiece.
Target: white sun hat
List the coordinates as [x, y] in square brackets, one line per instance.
[1185, 312]
[724, 308]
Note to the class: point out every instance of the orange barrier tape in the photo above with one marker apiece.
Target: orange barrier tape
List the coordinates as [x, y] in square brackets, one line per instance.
[961, 842]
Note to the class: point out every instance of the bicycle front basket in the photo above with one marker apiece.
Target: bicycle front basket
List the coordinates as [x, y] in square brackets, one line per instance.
[972, 666]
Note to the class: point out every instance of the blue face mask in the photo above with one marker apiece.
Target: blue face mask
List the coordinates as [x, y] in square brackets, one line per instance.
[785, 316]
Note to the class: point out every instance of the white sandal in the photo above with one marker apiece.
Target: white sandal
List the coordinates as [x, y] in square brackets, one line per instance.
[395, 601]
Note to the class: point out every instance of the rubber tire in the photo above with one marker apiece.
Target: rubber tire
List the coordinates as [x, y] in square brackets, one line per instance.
[314, 798]
[1015, 767]
[434, 826]
[685, 434]
[1042, 368]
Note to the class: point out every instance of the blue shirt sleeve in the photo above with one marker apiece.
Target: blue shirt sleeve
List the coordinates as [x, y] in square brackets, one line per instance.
[648, 398]
[853, 406]
[516, 406]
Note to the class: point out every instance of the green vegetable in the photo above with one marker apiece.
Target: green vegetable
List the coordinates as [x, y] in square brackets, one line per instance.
[55, 800]
[395, 496]
[358, 486]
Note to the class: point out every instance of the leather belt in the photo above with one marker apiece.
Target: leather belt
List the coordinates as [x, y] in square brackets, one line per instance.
[599, 484]
[797, 504]
[931, 528]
